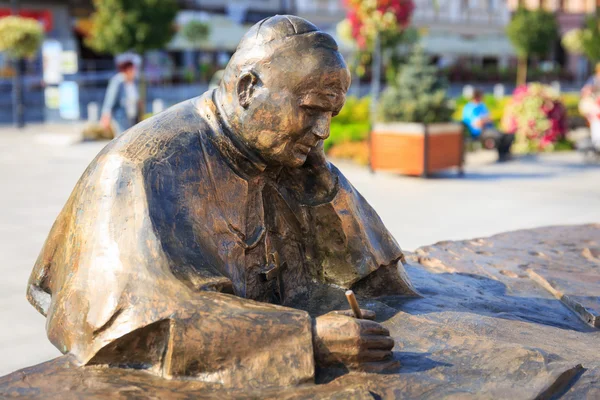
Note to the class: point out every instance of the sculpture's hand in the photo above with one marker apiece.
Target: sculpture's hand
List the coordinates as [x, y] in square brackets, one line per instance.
[355, 343]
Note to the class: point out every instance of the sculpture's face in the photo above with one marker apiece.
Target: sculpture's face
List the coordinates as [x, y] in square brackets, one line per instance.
[292, 103]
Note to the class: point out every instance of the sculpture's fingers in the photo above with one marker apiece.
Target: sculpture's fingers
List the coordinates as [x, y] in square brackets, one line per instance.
[372, 328]
[377, 342]
[366, 314]
[375, 355]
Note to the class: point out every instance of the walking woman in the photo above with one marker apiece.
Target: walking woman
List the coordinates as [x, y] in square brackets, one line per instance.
[121, 103]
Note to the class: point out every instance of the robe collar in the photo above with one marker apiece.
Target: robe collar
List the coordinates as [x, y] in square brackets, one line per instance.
[243, 161]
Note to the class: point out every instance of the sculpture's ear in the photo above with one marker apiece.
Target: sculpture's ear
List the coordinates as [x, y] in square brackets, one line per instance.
[245, 88]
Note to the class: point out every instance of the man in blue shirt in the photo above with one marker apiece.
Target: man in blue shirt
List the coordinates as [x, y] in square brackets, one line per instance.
[476, 116]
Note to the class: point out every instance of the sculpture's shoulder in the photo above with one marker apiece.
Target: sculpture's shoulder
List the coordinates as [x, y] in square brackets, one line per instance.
[160, 136]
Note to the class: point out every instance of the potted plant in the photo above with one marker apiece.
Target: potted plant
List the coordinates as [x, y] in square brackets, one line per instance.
[416, 135]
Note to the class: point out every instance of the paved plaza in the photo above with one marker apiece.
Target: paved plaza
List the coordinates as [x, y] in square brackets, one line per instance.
[40, 166]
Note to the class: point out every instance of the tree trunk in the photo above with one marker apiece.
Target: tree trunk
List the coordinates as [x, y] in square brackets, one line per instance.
[17, 94]
[522, 71]
[143, 91]
[18, 109]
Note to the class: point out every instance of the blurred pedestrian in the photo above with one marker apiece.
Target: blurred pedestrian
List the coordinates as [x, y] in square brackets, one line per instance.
[476, 117]
[590, 105]
[120, 109]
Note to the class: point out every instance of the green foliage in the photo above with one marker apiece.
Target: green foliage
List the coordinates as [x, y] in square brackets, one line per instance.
[355, 110]
[532, 32]
[572, 41]
[20, 37]
[351, 124]
[343, 133]
[571, 103]
[137, 25]
[417, 95]
[196, 31]
[590, 39]
[564, 145]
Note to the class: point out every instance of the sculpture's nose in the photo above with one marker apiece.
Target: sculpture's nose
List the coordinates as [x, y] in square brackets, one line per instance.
[321, 127]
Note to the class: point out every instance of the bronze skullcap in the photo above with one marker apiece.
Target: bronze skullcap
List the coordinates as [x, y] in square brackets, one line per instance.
[280, 27]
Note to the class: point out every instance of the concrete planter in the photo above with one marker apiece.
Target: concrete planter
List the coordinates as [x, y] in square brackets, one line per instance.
[416, 149]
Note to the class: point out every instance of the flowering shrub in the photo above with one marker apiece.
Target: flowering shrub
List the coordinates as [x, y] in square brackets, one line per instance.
[20, 37]
[367, 17]
[537, 117]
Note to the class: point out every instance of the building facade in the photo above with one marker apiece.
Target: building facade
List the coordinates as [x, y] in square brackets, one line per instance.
[465, 30]
[451, 30]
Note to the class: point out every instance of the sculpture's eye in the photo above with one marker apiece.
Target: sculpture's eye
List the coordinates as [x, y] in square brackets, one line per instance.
[311, 110]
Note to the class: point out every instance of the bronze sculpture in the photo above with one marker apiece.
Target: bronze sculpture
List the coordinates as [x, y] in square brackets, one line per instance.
[182, 229]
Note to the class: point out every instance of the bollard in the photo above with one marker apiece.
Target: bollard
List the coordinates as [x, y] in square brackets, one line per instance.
[499, 91]
[157, 106]
[93, 112]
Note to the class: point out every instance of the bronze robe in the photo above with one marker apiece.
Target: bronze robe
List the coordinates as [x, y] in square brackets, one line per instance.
[171, 234]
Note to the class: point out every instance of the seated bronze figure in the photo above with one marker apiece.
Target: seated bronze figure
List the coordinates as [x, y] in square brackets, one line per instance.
[212, 240]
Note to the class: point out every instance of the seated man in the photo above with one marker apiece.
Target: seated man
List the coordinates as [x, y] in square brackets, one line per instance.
[183, 229]
[476, 117]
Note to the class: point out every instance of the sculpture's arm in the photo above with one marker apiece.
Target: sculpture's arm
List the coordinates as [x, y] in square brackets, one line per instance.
[219, 338]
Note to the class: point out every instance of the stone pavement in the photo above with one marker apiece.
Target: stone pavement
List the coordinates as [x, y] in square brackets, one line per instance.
[40, 166]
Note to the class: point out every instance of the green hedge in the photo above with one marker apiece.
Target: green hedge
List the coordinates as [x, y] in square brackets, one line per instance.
[351, 124]
[353, 132]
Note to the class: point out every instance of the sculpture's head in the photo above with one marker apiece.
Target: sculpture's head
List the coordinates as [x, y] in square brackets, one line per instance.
[281, 88]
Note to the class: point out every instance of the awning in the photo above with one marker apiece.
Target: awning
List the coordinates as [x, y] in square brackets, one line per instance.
[224, 35]
[480, 45]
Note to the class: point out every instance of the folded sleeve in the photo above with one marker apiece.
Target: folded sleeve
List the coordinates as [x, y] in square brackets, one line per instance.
[352, 243]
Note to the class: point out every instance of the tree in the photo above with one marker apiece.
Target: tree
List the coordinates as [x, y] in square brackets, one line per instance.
[585, 40]
[196, 32]
[417, 95]
[20, 38]
[590, 38]
[119, 26]
[532, 33]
